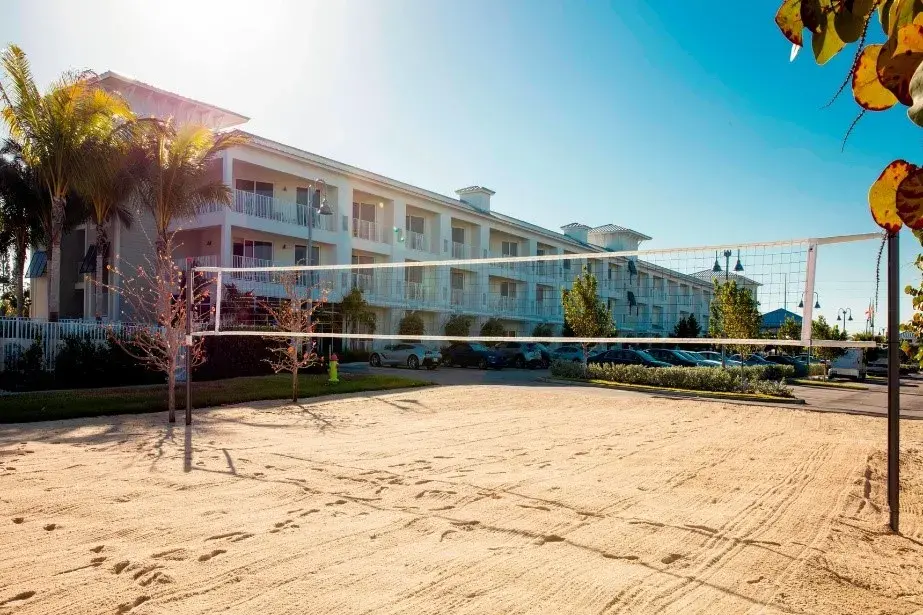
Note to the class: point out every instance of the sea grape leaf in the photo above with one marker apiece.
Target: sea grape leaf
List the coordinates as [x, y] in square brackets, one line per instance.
[909, 200]
[866, 89]
[788, 18]
[883, 195]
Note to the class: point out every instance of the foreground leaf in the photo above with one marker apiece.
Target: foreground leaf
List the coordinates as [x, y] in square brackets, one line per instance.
[900, 14]
[899, 58]
[788, 18]
[827, 43]
[850, 24]
[883, 195]
[910, 200]
[866, 88]
[915, 112]
[812, 15]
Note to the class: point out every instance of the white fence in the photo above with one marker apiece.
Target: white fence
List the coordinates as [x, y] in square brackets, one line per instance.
[18, 334]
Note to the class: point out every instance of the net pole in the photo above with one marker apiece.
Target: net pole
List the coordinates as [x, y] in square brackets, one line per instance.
[218, 302]
[894, 385]
[189, 283]
[807, 319]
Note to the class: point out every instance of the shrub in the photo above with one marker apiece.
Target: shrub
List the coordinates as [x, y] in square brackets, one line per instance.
[24, 370]
[459, 325]
[493, 327]
[567, 369]
[411, 324]
[736, 380]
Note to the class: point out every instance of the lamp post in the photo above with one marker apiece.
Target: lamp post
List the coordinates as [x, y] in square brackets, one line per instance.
[816, 301]
[841, 315]
[324, 210]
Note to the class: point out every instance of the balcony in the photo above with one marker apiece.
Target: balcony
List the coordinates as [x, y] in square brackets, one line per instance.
[372, 231]
[547, 309]
[463, 251]
[507, 305]
[269, 208]
[414, 292]
[251, 276]
[417, 241]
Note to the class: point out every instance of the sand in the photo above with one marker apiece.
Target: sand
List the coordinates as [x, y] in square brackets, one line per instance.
[460, 500]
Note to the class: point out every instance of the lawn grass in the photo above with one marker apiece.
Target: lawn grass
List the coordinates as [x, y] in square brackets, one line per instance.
[55, 405]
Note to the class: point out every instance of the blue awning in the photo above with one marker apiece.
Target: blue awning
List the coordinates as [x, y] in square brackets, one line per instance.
[632, 302]
[38, 265]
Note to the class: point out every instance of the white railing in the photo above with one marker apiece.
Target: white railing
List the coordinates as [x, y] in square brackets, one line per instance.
[507, 305]
[364, 282]
[270, 208]
[462, 250]
[18, 334]
[547, 309]
[249, 261]
[417, 241]
[414, 291]
[363, 229]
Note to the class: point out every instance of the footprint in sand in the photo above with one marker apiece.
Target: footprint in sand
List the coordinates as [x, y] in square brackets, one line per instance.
[118, 568]
[127, 606]
[669, 559]
[18, 597]
[176, 555]
[18, 520]
[550, 538]
[208, 556]
[51, 527]
[98, 549]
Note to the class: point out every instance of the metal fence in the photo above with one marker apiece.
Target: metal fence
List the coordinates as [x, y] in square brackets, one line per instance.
[17, 334]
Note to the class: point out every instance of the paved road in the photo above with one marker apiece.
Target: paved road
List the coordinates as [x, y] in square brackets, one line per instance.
[872, 401]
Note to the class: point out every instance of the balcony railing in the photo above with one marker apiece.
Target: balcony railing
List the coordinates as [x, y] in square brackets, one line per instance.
[372, 231]
[417, 241]
[547, 309]
[507, 305]
[269, 208]
[463, 250]
[249, 261]
[414, 291]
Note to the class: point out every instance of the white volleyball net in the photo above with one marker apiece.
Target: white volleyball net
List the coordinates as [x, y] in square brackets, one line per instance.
[409, 292]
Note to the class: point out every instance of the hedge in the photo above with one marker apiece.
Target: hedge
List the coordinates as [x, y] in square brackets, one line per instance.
[765, 380]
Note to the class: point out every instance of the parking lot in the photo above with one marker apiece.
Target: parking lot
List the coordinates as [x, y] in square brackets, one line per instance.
[872, 401]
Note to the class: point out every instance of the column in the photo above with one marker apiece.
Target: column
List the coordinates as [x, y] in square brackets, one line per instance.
[529, 247]
[443, 240]
[344, 231]
[482, 276]
[227, 169]
[226, 246]
[398, 221]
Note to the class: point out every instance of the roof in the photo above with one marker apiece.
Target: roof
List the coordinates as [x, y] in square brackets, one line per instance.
[576, 225]
[708, 274]
[471, 189]
[233, 119]
[775, 318]
[615, 228]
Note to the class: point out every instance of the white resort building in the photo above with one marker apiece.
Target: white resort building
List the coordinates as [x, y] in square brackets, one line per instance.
[376, 219]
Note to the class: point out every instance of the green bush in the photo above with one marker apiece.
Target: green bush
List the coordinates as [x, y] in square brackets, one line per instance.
[567, 369]
[25, 370]
[735, 380]
[816, 369]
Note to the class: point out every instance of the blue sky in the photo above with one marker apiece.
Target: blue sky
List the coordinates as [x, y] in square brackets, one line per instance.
[688, 125]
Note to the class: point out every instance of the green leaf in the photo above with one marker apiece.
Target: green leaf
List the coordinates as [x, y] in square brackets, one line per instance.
[884, 14]
[812, 15]
[849, 25]
[826, 43]
[788, 18]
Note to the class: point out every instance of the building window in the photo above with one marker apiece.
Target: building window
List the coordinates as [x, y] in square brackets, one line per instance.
[301, 255]
[458, 234]
[302, 194]
[507, 289]
[413, 275]
[415, 224]
[248, 248]
[509, 249]
[539, 294]
[365, 212]
[566, 263]
[258, 188]
[458, 280]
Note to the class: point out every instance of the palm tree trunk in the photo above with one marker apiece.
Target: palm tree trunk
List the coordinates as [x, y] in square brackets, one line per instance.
[54, 257]
[19, 266]
[101, 241]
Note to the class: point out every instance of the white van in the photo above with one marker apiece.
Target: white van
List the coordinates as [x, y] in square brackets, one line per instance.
[848, 365]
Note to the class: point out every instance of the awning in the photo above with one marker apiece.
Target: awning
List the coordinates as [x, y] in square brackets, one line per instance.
[632, 268]
[632, 302]
[38, 265]
[89, 261]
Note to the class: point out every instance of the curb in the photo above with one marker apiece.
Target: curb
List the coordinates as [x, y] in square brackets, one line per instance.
[815, 385]
[672, 393]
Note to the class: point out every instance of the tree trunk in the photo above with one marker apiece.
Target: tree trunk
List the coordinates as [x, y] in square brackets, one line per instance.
[171, 389]
[295, 385]
[54, 257]
[101, 241]
[19, 265]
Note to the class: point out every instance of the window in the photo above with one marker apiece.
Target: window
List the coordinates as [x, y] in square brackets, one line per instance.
[510, 333]
[301, 255]
[458, 280]
[364, 211]
[413, 275]
[507, 289]
[539, 294]
[509, 248]
[363, 259]
[566, 262]
[415, 224]
[258, 188]
[247, 248]
[589, 266]
[632, 268]
[458, 234]
[302, 194]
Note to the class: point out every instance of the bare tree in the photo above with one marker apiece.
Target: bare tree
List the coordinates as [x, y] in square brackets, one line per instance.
[155, 296]
[293, 314]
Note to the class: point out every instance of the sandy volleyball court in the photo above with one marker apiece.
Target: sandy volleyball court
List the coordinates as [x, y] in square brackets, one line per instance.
[460, 500]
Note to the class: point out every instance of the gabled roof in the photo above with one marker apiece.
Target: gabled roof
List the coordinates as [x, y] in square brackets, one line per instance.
[615, 228]
[576, 225]
[708, 274]
[775, 318]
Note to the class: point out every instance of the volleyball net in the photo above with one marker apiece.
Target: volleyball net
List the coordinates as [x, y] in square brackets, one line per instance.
[676, 296]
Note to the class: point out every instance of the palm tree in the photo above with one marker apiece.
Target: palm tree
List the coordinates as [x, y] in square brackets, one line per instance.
[22, 202]
[170, 167]
[106, 192]
[53, 129]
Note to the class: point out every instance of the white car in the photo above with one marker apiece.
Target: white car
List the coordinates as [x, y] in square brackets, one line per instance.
[411, 355]
[573, 354]
[848, 365]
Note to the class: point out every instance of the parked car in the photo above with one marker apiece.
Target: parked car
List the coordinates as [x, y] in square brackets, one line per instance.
[568, 353]
[801, 369]
[546, 354]
[751, 360]
[850, 364]
[464, 354]
[411, 355]
[716, 356]
[700, 359]
[627, 357]
[672, 357]
[520, 354]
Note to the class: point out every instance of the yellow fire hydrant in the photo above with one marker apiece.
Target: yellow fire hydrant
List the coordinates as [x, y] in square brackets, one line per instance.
[334, 361]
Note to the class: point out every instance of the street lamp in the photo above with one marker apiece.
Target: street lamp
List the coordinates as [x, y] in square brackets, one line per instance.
[816, 301]
[841, 315]
[320, 196]
[716, 268]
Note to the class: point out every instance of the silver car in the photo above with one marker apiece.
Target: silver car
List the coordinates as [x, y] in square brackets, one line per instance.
[411, 355]
[573, 354]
